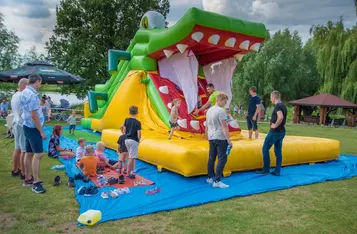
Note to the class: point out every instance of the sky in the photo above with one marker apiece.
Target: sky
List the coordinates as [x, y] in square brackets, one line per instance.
[34, 20]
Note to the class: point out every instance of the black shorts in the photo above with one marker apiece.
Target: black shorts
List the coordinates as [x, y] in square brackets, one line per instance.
[252, 124]
[173, 125]
[34, 143]
[72, 126]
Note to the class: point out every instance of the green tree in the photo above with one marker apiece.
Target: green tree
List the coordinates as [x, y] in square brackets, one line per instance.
[86, 30]
[30, 56]
[336, 54]
[282, 64]
[9, 44]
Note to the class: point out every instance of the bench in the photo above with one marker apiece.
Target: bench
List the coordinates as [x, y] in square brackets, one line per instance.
[311, 119]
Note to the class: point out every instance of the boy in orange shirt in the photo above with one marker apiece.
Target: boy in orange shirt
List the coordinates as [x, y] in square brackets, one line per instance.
[89, 162]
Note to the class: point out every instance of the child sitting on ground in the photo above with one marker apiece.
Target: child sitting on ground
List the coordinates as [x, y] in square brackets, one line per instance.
[122, 151]
[81, 150]
[54, 148]
[102, 160]
[132, 129]
[72, 121]
[89, 162]
[174, 116]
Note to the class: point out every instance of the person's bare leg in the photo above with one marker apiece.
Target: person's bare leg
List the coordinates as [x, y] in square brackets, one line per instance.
[36, 166]
[22, 163]
[66, 153]
[16, 160]
[126, 159]
[134, 165]
[250, 134]
[130, 164]
[256, 134]
[171, 133]
[28, 165]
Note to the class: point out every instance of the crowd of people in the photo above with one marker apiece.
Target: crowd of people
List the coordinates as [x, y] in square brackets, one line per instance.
[30, 113]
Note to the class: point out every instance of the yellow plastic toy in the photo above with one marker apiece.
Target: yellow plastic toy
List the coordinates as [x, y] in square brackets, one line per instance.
[138, 81]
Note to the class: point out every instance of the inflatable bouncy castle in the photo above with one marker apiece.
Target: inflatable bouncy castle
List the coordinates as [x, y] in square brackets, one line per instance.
[162, 64]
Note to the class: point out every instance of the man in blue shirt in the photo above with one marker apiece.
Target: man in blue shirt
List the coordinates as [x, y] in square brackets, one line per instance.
[34, 134]
[253, 112]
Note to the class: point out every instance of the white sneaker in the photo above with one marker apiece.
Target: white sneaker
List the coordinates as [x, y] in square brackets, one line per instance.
[209, 181]
[113, 194]
[220, 184]
[104, 195]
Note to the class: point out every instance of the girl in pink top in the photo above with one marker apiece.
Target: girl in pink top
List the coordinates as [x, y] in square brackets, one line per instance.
[102, 160]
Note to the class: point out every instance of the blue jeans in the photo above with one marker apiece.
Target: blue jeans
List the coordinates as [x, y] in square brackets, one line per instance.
[276, 139]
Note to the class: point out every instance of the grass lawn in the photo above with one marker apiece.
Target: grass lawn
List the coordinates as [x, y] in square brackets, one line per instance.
[320, 208]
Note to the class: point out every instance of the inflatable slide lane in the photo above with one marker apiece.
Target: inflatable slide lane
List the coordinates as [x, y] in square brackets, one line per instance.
[162, 64]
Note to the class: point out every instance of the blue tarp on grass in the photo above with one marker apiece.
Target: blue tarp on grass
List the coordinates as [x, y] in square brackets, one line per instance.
[178, 191]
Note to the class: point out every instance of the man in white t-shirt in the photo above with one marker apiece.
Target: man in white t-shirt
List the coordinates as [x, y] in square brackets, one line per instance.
[17, 126]
[219, 139]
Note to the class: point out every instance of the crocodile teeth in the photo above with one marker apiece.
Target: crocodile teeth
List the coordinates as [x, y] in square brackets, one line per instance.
[197, 36]
[168, 53]
[182, 123]
[244, 45]
[234, 124]
[164, 89]
[169, 105]
[181, 47]
[195, 124]
[230, 42]
[214, 39]
[255, 47]
[239, 57]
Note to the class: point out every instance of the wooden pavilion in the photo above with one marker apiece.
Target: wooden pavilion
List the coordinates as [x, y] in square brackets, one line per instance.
[327, 103]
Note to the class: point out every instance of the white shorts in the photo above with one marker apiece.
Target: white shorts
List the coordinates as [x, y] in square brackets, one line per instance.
[19, 136]
[132, 147]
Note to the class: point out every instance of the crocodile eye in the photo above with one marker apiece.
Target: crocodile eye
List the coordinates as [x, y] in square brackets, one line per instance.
[152, 20]
[145, 22]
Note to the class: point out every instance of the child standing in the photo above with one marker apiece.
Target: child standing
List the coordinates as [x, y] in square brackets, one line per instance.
[122, 151]
[132, 129]
[72, 121]
[102, 160]
[81, 150]
[174, 116]
[89, 162]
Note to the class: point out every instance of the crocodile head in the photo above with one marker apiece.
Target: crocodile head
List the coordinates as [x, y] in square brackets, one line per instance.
[182, 59]
[209, 42]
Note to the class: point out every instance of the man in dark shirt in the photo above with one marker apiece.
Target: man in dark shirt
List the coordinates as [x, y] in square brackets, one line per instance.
[275, 136]
[253, 112]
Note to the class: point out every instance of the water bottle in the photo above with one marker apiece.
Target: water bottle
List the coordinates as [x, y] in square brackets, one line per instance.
[228, 149]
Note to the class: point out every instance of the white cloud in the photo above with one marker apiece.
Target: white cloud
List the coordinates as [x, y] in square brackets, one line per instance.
[31, 20]
[269, 9]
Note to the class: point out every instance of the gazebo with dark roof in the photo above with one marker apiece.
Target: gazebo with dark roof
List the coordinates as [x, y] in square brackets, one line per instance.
[327, 103]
